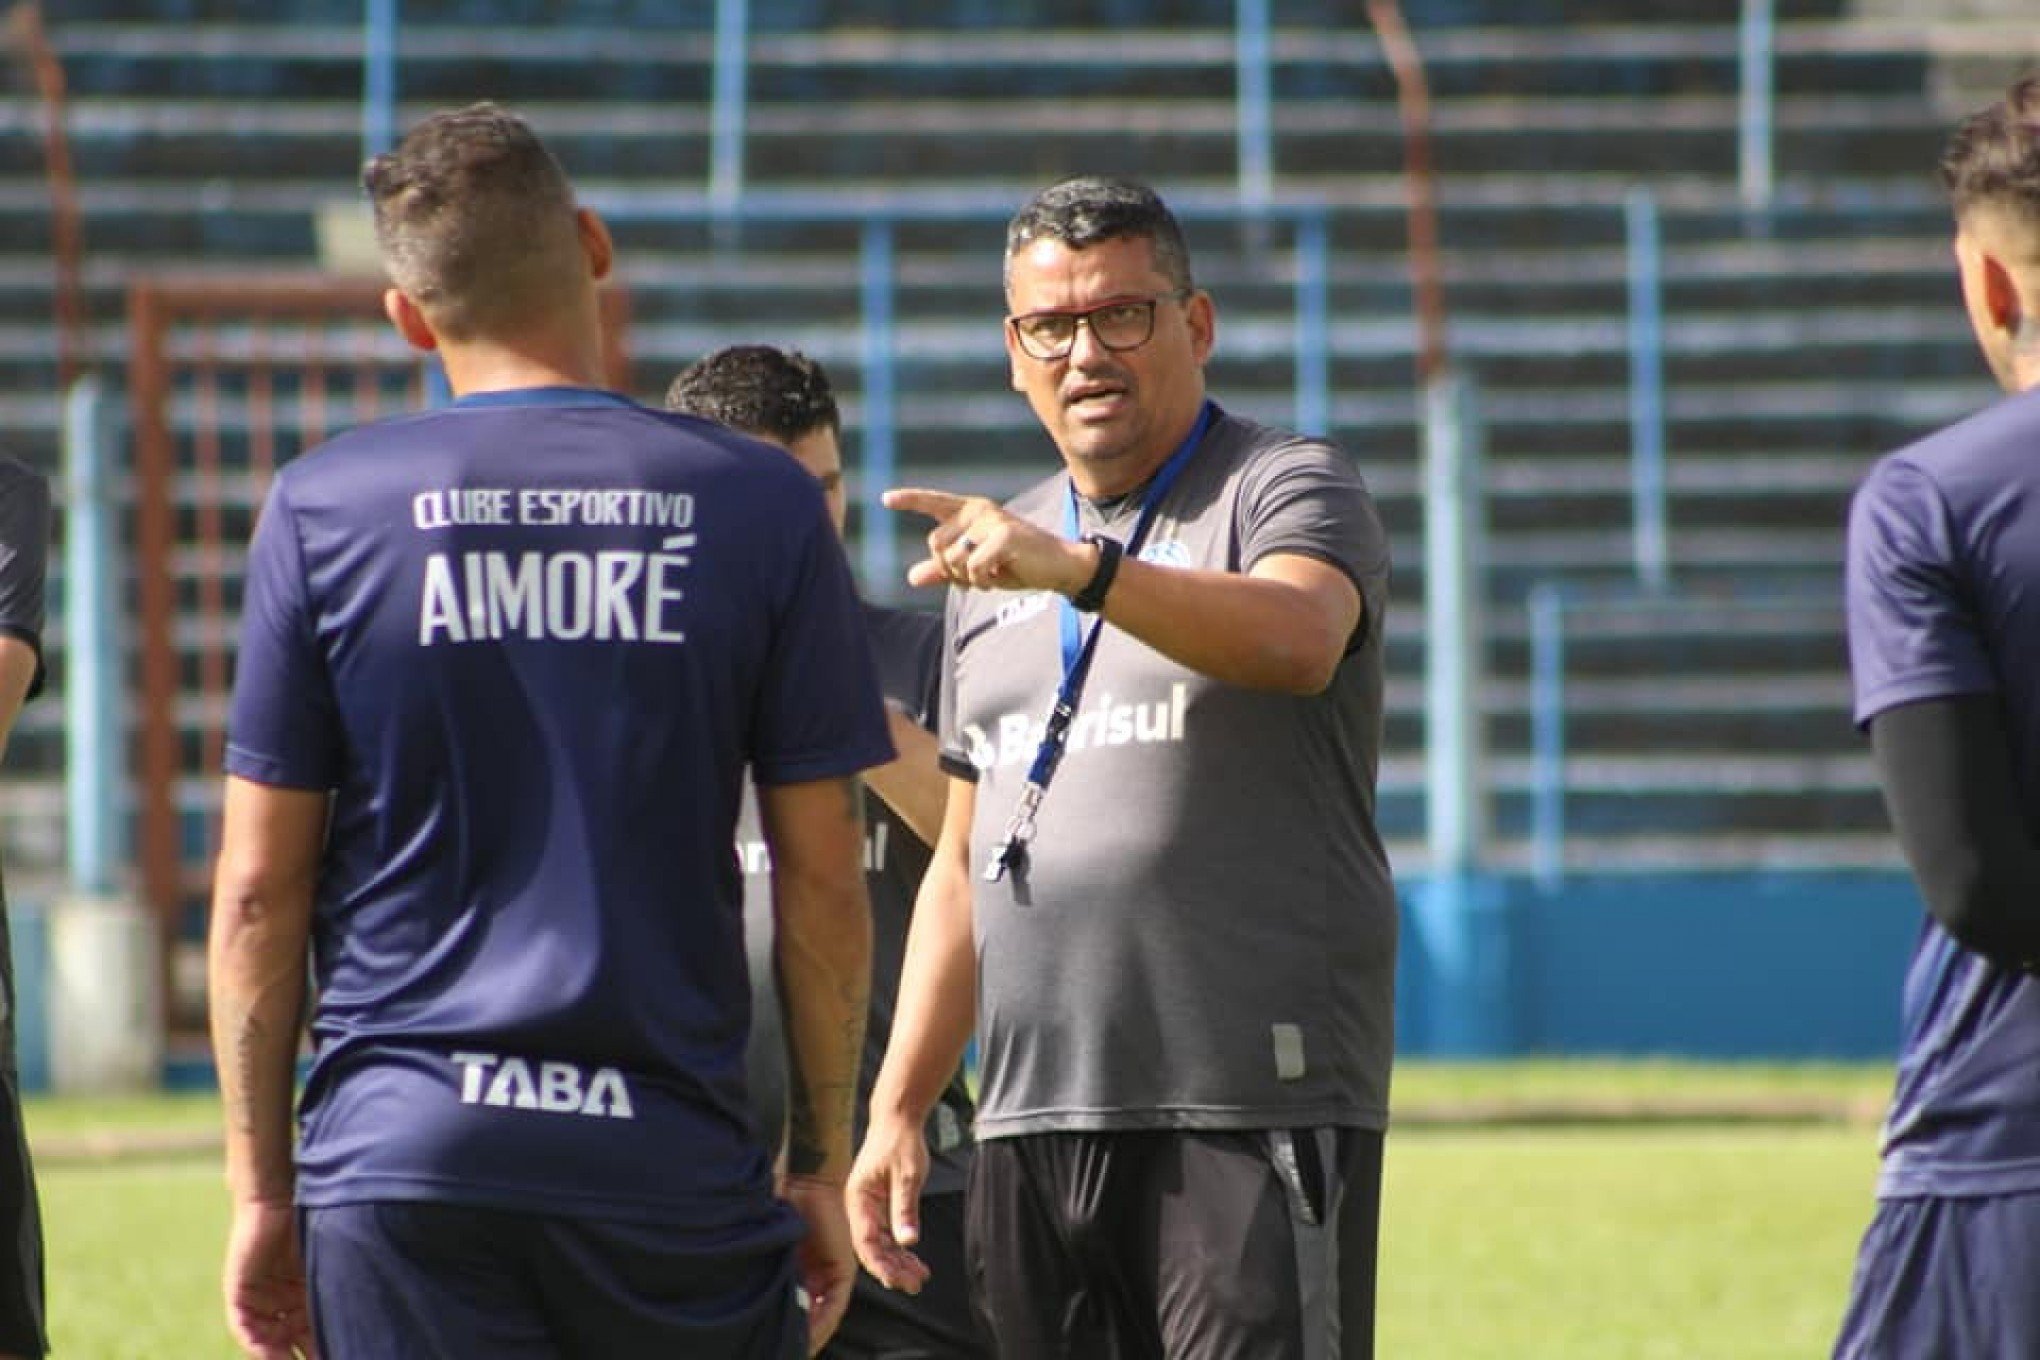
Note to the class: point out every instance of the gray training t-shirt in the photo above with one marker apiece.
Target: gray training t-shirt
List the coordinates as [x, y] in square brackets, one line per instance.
[1204, 935]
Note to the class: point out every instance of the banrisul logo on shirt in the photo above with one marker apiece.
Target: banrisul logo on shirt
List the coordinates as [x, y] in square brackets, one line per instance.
[1102, 721]
[512, 1083]
[1166, 552]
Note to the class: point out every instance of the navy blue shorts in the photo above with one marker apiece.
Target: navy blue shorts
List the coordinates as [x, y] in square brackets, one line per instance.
[403, 1281]
[936, 1324]
[1947, 1278]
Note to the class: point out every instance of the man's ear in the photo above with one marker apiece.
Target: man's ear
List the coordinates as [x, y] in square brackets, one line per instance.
[595, 242]
[2001, 296]
[1015, 357]
[409, 321]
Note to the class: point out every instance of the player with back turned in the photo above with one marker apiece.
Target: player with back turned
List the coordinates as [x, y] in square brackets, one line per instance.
[504, 666]
[1944, 645]
[785, 399]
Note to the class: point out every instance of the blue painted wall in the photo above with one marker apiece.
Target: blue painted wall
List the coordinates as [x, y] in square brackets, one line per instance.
[1779, 965]
[1773, 966]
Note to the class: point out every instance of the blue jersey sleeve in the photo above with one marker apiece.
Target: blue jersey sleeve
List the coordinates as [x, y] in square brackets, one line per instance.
[1914, 633]
[820, 712]
[283, 726]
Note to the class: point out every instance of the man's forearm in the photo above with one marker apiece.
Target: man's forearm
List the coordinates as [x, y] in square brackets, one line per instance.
[257, 997]
[1260, 631]
[937, 1004]
[17, 673]
[256, 974]
[822, 960]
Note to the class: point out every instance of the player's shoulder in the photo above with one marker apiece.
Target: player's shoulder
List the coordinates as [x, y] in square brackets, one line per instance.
[1245, 445]
[1991, 444]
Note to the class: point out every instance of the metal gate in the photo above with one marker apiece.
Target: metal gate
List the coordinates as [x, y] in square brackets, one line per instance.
[230, 377]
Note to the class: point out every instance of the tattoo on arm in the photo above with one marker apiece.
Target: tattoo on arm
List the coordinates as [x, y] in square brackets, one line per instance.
[248, 1037]
[820, 1114]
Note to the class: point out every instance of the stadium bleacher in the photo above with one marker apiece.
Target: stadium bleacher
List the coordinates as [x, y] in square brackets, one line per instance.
[1706, 728]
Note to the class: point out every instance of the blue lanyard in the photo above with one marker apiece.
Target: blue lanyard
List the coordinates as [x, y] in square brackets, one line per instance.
[1078, 646]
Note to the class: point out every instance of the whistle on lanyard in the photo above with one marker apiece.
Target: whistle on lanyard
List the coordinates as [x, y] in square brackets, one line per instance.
[1012, 851]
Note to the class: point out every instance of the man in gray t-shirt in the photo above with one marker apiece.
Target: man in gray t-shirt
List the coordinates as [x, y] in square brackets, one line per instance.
[1176, 922]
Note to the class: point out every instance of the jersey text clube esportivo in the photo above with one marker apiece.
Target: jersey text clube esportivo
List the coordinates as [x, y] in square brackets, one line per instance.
[541, 1004]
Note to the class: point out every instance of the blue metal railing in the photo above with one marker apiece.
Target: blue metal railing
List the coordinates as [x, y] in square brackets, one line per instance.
[727, 103]
[378, 77]
[1647, 477]
[1253, 102]
[1548, 608]
[879, 553]
[1455, 503]
[94, 744]
[1546, 604]
[1758, 45]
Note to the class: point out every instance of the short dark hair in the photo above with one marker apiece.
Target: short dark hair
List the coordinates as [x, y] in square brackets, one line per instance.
[760, 390]
[1092, 209]
[475, 220]
[1993, 156]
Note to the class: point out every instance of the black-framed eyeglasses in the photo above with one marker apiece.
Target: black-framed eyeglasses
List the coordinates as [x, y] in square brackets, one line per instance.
[1122, 324]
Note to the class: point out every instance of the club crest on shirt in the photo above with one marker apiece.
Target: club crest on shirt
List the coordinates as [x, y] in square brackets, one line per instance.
[1167, 552]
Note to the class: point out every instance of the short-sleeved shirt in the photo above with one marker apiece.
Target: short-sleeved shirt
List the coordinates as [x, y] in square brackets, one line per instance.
[24, 557]
[530, 642]
[1204, 934]
[909, 648]
[24, 553]
[1944, 601]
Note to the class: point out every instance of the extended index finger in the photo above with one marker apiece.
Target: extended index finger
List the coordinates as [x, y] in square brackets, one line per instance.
[921, 500]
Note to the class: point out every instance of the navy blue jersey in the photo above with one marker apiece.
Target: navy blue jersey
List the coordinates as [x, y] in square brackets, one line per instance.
[1944, 601]
[531, 642]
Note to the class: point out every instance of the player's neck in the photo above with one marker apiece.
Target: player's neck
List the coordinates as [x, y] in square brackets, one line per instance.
[486, 366]
[2025, 372]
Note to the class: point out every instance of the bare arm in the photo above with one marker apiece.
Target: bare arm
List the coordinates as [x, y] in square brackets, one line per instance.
[821, 951]
[932, 1022]
[822, 956]
[270, 840]
[17, 673]
[1284, 625]
[912, 785]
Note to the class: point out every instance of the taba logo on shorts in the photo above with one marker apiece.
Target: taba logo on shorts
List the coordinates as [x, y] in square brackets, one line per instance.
[1167, 552]
[1101, 722]
[549, 1087]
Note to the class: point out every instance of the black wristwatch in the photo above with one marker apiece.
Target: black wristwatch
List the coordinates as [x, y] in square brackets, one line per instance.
[1091, 598]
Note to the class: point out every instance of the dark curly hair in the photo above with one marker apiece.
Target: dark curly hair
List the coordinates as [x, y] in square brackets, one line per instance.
[1092, 209]
[758, 389]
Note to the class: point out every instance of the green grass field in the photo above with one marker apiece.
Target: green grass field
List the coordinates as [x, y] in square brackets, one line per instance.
[1628, 1239]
